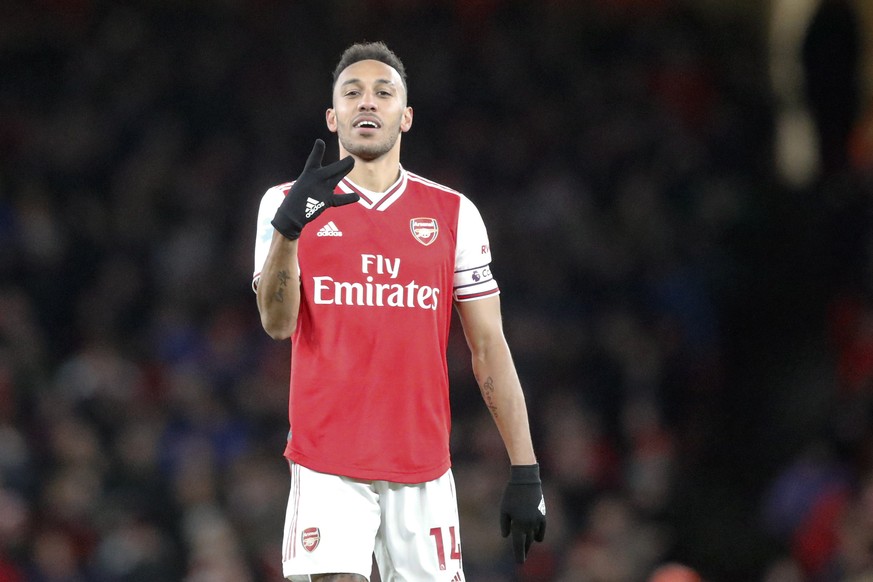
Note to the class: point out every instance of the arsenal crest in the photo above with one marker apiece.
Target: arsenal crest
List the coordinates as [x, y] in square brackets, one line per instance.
[425, 230]
[310, 538]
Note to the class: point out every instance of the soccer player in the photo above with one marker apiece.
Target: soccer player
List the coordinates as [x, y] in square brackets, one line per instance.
[360, 262]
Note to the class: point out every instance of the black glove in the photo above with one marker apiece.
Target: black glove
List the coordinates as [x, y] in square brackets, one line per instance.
[523, 509]
[312, 193]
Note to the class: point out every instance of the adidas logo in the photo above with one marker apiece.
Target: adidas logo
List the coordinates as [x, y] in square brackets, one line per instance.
[313, 206]
[329, 229]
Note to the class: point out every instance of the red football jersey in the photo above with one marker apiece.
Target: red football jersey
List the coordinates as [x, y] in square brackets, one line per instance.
[369, 395]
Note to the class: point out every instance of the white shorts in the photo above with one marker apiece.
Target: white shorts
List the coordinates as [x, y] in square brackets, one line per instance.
[336, 524]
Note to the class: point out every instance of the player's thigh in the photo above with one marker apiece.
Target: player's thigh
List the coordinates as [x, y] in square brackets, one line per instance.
[420, 535]
[330, 526]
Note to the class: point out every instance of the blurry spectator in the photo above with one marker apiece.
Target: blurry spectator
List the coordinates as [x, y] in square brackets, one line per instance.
[616, 545]
[831, 60]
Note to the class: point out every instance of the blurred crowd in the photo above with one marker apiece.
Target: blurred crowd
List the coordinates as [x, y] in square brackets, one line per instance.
[620, 155]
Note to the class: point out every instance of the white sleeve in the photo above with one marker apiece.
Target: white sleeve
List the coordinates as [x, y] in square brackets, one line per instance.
[473, 278]
[270, 201]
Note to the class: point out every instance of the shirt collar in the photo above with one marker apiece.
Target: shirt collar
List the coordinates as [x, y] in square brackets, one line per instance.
[377, 200]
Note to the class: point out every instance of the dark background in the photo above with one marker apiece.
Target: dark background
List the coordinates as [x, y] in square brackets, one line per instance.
[690, 317]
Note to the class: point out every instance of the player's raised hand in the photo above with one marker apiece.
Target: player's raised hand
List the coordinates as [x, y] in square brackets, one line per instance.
[312, 193]
[523, 509]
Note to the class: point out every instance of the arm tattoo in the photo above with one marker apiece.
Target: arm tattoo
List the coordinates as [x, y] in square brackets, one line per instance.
[488, 395]
[283, 277]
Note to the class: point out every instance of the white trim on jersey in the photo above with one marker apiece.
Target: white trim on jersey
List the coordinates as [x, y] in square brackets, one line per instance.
[474, 283]
[379, 201]
[266, 211]
[432, 184]
[473, 278]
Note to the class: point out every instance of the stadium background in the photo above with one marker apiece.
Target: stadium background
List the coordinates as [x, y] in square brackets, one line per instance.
[685, 262]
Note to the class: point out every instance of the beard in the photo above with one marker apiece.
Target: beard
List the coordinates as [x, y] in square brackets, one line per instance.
[370, 149]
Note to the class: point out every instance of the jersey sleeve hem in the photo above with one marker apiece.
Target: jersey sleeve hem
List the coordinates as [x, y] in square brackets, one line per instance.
[476, 296]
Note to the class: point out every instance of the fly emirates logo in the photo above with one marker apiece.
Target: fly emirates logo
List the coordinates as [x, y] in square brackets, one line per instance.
[372, 293]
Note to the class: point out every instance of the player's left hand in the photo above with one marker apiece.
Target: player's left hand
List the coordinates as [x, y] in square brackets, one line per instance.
[523, 509]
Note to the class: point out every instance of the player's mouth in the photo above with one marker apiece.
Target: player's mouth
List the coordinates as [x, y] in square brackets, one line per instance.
[367, 124]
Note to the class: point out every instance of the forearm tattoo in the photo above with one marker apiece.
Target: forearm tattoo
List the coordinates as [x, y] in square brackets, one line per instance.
[488, 395]
[283, 277]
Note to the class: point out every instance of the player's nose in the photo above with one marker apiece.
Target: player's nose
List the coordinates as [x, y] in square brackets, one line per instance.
[367, 102]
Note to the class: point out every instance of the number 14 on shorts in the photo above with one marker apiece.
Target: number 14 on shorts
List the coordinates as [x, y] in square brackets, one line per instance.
[454, 547]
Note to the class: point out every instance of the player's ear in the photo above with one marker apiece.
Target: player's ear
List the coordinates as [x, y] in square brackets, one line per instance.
[406, 120]
[330, 119]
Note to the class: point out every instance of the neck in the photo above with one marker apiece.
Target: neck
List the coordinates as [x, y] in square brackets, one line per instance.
[376, 175]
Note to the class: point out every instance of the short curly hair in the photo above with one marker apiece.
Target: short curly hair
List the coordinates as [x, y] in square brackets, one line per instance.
[364, 51]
